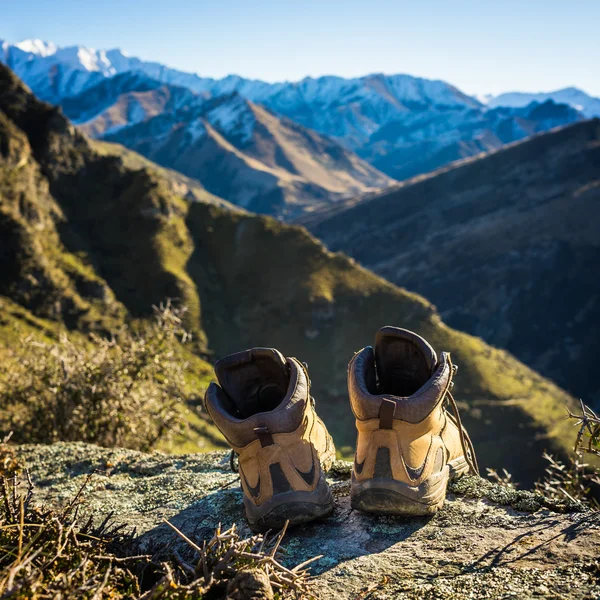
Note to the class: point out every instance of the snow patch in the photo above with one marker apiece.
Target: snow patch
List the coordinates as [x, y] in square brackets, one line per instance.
[37, 47]
[196, 129]
[233, 117]
[88, 59]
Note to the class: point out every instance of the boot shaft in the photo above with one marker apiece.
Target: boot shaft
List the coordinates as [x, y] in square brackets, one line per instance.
[408, 445]
[258, 393]
[263, 407]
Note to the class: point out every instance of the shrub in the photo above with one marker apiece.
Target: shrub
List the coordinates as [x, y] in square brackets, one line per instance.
[577, 480]
[122, 391]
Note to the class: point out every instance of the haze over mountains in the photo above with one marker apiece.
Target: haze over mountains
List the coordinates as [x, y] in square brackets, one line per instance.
[87, 242]
[401, 125]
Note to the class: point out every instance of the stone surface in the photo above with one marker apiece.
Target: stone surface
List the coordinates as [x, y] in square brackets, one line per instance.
[487, 542]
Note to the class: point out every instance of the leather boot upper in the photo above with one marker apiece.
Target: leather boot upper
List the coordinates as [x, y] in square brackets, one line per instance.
[397, 393]
[263, 407]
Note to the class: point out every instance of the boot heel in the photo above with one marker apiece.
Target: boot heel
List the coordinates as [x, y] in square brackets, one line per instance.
[391, 497]
[297, 507]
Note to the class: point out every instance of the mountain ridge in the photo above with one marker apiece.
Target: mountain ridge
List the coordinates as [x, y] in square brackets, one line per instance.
[588, 105]
[114, 61]
[258, 161]
[400, 124]
[242, 152]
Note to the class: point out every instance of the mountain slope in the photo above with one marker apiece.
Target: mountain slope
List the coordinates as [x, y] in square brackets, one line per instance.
[402, 125]
[124, 100]
[242, 152]
[180, 185]
[248, 280]
[578, 99]
[505, 245]
[420, 142]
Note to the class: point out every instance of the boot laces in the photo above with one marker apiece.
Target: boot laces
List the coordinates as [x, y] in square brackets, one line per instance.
[465, 440]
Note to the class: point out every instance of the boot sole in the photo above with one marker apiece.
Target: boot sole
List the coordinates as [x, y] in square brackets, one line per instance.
[296, 507]
[390, 497]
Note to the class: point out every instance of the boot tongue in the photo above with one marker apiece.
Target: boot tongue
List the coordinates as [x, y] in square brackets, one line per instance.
[404, 361]
[255, 380]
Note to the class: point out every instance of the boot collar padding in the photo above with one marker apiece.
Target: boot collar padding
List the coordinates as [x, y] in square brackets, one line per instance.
[366, 402]
[285, 418]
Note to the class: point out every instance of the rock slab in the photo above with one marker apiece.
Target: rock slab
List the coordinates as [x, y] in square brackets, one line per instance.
[487, 542]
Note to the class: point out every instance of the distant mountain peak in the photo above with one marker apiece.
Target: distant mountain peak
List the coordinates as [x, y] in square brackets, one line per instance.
[37, 47]
[573, 96]
[233, 115]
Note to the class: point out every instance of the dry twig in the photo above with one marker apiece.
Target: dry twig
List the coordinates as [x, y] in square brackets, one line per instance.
[589, 426]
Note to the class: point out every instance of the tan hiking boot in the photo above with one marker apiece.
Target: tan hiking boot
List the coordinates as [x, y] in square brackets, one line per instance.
[408, 445]
[263, 407]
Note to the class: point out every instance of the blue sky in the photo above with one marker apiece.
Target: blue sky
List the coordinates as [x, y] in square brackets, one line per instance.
[480, 46]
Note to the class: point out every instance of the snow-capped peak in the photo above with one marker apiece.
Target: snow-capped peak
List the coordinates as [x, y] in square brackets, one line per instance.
[89, 59]
[37, 47]
[79, 58]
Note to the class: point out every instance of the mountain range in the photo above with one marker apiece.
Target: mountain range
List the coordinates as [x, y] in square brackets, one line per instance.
[587, 105]
[505, 245]
[401, 125]
[90, 239]
[237, 149]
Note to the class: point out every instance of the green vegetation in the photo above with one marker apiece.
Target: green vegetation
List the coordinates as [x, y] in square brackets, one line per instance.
[141, 388]
[181, 185]
[122, 391]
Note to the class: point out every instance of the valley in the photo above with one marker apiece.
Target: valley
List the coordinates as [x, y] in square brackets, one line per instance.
[92, 243]
[505, 245]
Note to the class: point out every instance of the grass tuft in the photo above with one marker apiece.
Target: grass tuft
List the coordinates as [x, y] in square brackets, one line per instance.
[56, 553]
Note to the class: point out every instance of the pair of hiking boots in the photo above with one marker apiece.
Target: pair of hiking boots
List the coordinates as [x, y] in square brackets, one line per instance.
[409, 445]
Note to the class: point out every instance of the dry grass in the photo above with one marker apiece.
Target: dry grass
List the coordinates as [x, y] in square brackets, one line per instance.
[588, 436]
[55, 553]
[504, 477]
[123, 391]
[46, 554]
[577, 480]
[234, 564]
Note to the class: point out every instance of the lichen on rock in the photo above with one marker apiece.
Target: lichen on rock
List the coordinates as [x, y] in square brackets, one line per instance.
[488, 541]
